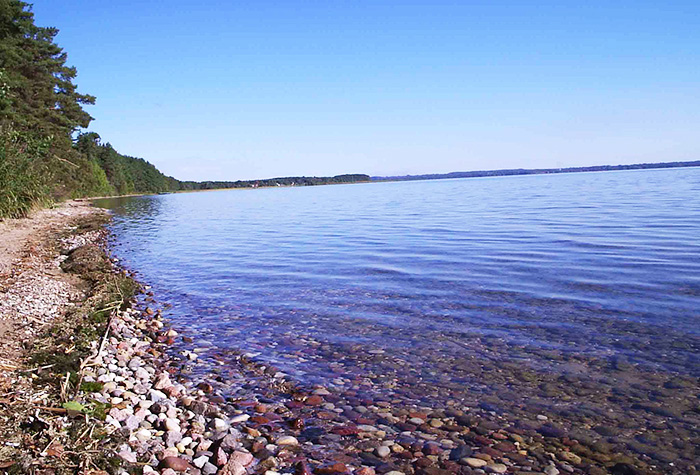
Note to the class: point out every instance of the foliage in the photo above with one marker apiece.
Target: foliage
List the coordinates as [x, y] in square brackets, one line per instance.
[43, 97]
[24, 172]
[43, 155]
[40, 112]
[284, 181]
[124, 174]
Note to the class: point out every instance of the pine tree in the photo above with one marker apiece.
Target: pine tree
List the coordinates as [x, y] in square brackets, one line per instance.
[41, 92]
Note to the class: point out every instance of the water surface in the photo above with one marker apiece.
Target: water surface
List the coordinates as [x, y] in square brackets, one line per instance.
[577, 294]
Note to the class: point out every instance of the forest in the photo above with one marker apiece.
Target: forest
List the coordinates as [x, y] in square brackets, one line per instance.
[46, 152]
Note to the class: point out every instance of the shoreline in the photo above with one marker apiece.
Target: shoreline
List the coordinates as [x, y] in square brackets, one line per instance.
[153, 416]
[407, 178]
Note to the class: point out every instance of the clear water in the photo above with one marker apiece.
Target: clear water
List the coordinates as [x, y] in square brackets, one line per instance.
[577, 274]
[573, 295]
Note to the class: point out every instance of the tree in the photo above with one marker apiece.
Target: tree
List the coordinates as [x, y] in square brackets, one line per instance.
[41, 94]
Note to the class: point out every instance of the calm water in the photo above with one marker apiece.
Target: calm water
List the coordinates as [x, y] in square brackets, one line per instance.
[553, 272]
[575, 296]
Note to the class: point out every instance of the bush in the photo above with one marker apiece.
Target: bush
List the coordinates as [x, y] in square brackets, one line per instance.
[25, 174]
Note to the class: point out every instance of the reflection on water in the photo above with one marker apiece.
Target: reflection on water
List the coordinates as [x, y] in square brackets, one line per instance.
[574, 294]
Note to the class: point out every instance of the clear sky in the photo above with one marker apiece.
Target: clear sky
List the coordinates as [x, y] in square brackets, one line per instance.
[225, 90]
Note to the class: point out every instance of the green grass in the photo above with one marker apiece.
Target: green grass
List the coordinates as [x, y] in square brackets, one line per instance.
[24, 174]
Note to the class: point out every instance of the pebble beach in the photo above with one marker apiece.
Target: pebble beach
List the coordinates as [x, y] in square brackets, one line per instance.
[170, 406]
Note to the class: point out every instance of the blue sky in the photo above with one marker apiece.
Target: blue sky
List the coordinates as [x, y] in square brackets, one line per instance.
[239, 90]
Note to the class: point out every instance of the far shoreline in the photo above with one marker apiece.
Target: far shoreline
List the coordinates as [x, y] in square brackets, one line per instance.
[433, 177]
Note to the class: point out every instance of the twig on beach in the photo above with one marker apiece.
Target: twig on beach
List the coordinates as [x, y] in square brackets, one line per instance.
[57, 410]
[38, 368]
[64, 386]
[89, 429]
[113, 307]
[35, 320]
[47, 447]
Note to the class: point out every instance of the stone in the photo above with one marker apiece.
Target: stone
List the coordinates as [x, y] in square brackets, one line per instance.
[135, 363]
[244, 458]
[570, 457]
[200, 461]
[240, 418]
[143, 434]
[474, 462]
[176, 463]
[287, 440]
[460, 452]
[314, 400]
[228, 443]
[221, 458]
[233, 468]
[141, 373]
[219, 425]
[551, 470]
[496, 468]
[162, 381]
[132, 423]
[156, 396]
[127, 456]
[209, 469]
[383, 451]
[332, 468]
[172, 438]
[172, 425]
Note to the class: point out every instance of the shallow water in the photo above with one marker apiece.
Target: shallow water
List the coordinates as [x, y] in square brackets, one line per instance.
[538, 292]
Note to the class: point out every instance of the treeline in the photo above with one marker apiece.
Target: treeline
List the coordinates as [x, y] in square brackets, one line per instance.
[536, 171]
[125, 175]
[284, 181]
[43, 157]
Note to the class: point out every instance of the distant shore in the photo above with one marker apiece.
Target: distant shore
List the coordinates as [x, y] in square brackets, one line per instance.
[452, 175]
[539, 171]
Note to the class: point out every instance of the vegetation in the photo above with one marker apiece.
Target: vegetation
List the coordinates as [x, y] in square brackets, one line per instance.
[284, 181]
[43, 154]
[40, 111]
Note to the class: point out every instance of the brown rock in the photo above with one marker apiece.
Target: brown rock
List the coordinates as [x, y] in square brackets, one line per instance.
[176, 463]
[505, 447]
[221, 457]
[332, 468]
[302, 468]
[232, 468]
[244, 458]
[431, 448]
[297, 423]
[345, 430]
[314, 400]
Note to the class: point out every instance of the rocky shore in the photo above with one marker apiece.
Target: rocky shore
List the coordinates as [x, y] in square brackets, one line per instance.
[95, 381]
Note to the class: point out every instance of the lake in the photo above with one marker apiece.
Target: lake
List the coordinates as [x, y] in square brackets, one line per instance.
[573, 297]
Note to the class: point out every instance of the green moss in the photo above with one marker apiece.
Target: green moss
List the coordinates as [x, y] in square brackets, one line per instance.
[91, 387]
[98, 410]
